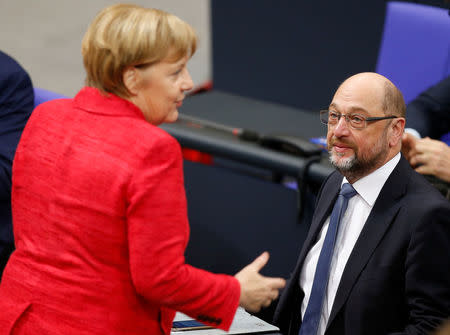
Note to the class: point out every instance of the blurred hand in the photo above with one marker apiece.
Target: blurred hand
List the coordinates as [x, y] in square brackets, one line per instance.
[256, 290]
[408, 144]
[431, 157]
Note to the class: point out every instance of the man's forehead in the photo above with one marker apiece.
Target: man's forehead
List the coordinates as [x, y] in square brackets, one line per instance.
[356, 95]
[349, 108]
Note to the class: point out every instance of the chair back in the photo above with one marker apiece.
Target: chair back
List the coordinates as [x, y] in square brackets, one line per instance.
[42, 95]
[415, 47]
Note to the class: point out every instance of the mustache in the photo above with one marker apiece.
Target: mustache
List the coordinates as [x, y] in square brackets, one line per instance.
[334, 141]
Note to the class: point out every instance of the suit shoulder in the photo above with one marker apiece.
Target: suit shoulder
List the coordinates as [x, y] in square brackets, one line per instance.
[10, 67]
[406, 182]
[147, 141]
[420, 187]
[51, 109]
[153, 136]
[424, 199]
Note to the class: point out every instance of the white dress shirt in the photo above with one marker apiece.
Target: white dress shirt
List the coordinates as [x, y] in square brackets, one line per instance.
[351, 225]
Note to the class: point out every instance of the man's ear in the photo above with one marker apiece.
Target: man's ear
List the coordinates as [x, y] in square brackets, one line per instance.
[130, 79]
[397, 128]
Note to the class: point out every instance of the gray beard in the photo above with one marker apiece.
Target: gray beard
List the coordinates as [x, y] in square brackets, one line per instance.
[358, 166]
[355, 167]
[344, 166]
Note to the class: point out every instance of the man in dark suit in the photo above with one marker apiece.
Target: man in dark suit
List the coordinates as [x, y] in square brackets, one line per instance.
[429, 117]
[16, 105]
[389, 269]
[429, 113]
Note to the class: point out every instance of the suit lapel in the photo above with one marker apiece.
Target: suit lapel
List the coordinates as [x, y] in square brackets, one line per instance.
[323, 210]
[290, 300]
[382, 215]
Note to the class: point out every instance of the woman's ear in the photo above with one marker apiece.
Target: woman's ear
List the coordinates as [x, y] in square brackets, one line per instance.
[130, 79]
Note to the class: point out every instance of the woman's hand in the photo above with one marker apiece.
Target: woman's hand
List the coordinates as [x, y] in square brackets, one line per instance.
[256, 290]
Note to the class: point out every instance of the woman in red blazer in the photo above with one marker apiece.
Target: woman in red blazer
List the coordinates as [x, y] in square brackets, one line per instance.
[98, 200]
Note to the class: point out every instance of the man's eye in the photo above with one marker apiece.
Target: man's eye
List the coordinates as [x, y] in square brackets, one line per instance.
[357, 119]
[333, 116]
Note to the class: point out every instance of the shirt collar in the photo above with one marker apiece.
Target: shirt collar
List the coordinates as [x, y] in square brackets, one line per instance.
[369, 187]
[92, 100]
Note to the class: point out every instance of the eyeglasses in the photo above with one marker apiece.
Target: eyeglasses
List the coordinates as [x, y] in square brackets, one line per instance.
[356, 121]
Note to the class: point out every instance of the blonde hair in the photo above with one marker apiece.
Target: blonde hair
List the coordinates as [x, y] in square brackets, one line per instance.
[126, 35]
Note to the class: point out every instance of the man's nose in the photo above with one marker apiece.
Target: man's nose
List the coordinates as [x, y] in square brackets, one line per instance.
[342, 128]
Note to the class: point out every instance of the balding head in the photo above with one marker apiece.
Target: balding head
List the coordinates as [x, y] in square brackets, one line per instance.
[380, 90]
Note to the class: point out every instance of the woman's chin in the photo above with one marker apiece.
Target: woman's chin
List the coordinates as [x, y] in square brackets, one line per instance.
[172, 117]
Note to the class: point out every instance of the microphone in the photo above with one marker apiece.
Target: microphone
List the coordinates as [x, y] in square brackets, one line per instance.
[241, 133]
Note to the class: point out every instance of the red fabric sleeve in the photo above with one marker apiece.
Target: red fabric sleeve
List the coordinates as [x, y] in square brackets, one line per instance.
[158, 233]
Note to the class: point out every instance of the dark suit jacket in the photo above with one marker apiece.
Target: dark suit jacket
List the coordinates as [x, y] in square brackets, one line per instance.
[429, 113]
[16, 105]
[397, 278]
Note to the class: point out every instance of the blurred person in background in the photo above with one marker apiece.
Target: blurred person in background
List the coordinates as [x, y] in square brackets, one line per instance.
[427, 138]
[16, 105]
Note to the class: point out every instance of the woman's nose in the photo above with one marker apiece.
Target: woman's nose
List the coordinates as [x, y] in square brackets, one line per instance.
[187, 84]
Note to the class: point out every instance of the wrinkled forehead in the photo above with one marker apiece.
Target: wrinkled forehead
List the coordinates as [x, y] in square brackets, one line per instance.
[355, 94]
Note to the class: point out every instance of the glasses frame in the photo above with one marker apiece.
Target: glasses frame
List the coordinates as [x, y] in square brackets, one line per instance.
[326, 113]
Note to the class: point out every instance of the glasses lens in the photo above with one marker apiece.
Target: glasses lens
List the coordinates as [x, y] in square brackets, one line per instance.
[357, 121]
[324, 116]
[333, 117]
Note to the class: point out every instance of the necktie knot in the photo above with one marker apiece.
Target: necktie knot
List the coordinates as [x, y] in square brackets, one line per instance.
[347, 191]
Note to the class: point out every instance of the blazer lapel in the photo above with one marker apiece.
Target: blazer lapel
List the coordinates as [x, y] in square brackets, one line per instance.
[322, 211]
[288, 308]
[382, 215]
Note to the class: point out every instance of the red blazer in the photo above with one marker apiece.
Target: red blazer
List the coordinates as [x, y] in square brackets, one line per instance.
[100, 226]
